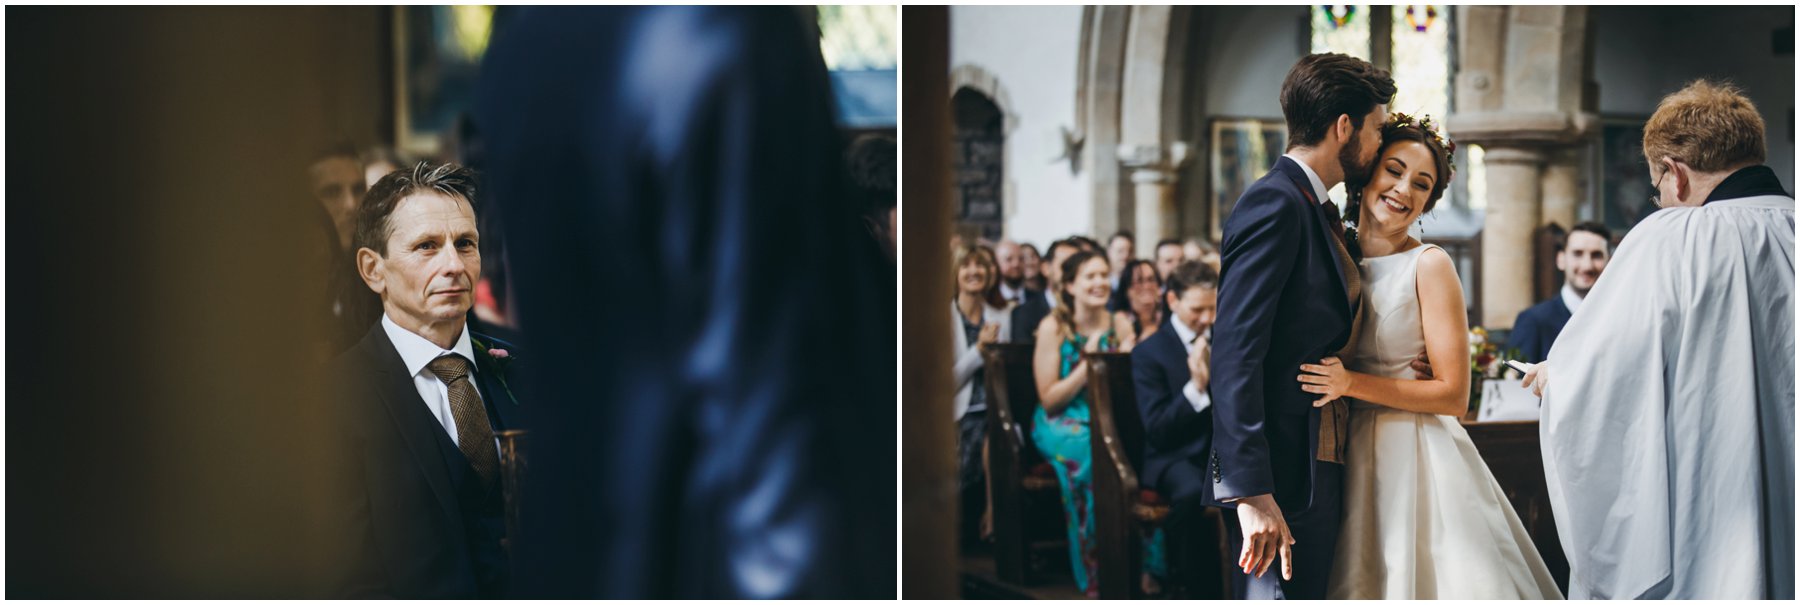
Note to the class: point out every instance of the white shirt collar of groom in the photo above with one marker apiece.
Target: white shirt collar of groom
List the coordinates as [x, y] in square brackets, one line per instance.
[415, 351]
[1313, 177]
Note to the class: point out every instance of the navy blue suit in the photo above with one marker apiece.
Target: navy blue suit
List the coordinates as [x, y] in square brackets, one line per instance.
[1174, 462]
[1536, 329]
[1282, 302]
[424, 525]
[1174, 434]
[715, 328]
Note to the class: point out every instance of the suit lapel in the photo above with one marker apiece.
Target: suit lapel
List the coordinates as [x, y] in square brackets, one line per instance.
[499, 401]
[1332, 246]
[416, 425]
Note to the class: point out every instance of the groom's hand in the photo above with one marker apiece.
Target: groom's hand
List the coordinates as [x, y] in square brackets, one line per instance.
[1266, 537]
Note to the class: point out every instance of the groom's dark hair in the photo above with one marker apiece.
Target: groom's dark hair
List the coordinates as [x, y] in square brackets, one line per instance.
[1322, 87]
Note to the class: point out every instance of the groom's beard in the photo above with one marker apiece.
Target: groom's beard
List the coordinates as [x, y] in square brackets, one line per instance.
[1355, 172]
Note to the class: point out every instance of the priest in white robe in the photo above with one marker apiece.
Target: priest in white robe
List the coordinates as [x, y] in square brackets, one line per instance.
[1668, 401]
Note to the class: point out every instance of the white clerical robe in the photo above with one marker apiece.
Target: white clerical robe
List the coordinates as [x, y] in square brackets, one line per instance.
[1668, 421]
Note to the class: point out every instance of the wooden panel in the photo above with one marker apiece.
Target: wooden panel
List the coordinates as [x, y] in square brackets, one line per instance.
[1512, 454]
[1022, 516]
[1116, 436]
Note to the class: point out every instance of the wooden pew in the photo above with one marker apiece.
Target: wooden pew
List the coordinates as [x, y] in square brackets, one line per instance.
[1121, 516]
[1511, 452]
[1027, 505]
[1124, 510]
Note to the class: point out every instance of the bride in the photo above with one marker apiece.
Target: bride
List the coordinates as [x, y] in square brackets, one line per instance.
[1423, 516]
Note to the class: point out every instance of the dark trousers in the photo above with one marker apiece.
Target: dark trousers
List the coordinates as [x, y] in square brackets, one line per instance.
[1193, 537]
[1315, 542]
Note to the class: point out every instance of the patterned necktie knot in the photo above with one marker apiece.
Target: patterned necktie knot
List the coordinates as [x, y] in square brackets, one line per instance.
[449, 368]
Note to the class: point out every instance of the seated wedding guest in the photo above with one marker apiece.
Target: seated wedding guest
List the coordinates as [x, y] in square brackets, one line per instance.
[1027, 316]
[378, 161]
[713, 329]
[1171, 372]
[424, 398]
[982, 319]
[1121, 249]
[1033, 265]
[1143, 293]
[1012, 273]
[1668, 402]
[1168, 254]
[1087, 244]
[872, 183]
[1581, 259]
[1080, 323]
[1201, 250]
[336, 178]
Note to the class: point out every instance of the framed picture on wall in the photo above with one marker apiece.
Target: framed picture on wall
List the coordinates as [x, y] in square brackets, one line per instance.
[1243, 150]
[1624, 177]
[437, 55]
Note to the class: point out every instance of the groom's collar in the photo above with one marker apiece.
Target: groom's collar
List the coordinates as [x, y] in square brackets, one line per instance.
[1311, 177]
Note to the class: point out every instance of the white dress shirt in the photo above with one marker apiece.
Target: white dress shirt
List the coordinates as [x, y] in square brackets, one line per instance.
[1317, 183]
[1570, 299]
[1012, 294]
[416, 352]
[1200, 400]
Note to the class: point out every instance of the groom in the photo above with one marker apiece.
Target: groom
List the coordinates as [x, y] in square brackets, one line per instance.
[1290, 294]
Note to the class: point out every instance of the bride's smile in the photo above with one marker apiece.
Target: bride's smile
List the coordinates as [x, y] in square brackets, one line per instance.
[1400, 187]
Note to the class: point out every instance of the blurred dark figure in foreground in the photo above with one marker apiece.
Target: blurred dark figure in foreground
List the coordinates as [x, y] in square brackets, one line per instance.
[713, 328]
[872, 161]
[337, 180]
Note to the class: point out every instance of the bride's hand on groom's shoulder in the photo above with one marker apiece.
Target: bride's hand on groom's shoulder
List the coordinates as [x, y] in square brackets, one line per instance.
[1328, 379]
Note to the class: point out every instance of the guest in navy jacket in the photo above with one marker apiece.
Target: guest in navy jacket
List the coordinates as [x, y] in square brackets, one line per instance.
[1171, 372]
[1583, 256]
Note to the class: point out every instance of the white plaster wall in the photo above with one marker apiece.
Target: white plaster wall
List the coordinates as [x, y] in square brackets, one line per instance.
[1032, 52]
[1249, 50]
[1642, 54]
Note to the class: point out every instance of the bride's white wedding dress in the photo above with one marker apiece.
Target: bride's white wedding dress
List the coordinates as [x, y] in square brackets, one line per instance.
[1423, 516]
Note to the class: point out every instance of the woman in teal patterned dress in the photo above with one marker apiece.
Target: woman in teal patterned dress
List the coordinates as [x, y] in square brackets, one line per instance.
[1079, 323]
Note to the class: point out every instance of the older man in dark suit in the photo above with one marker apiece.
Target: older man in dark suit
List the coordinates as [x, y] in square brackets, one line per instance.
[423, 400]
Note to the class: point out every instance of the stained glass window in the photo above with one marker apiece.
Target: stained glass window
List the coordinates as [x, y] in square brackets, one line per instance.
[1421, 57]
[1341, 29]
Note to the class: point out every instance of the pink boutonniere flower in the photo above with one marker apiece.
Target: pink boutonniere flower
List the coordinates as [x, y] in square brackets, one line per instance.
[499, 353]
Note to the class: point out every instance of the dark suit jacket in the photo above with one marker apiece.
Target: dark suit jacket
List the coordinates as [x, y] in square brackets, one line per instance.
[1536, 329]
[1026, 316]
[713, 329]
[424, 525]
[1282, 302]
[1174, 434]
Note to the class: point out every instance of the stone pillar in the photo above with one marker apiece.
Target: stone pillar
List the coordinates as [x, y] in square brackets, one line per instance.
[1513, 212]
[1562, 189]
[1154, 172]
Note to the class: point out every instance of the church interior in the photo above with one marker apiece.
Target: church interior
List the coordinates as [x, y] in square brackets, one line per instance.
[1152, 120]
[166, 179]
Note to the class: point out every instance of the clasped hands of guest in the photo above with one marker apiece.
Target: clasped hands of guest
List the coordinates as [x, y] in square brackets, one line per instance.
[990, 334]
[1331, 380]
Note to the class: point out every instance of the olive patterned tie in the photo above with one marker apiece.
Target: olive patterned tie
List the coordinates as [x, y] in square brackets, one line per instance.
[473, 434]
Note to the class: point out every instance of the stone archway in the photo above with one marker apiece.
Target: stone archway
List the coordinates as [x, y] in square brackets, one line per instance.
[982, 143]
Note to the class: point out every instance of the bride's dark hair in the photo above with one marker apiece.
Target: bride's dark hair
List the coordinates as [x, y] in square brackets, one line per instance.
[1402, 127]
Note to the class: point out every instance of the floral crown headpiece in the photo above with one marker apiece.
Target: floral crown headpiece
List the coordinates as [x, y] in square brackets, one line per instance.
[1401, 120]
